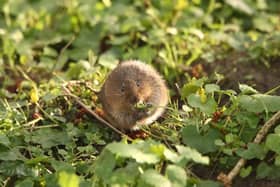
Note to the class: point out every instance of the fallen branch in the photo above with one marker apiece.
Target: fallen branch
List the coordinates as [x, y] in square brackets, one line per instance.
[84, 106]
[227, 179]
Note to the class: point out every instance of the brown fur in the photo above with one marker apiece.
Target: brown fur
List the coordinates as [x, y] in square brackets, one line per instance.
[129, 83]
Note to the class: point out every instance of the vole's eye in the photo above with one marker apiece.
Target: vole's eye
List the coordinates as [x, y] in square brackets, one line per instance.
[137, 83]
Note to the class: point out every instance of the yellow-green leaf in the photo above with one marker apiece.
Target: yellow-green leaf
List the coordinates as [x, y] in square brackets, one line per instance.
[34, 95]
[68, 180]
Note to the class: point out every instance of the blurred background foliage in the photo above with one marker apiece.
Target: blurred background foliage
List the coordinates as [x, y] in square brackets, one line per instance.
[59, 35]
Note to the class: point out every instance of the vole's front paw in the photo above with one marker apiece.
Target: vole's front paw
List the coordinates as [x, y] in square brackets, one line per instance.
[137, 134]
[138, 115]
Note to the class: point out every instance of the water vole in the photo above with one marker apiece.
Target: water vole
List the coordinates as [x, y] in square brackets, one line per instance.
[134, 93]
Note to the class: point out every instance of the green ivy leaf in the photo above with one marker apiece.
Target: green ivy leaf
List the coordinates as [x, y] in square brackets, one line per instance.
[210, 88]
[248, 119]
[11, 154]
[151, 178]
[50, 137]
[108, 60]
[4, 140]
[248, 133]
[176, 175]
[15, 168]
[51, 180]
[37, 160]
[203, 143]
[263, 23]
[62, 166]
[244, 172]
[253, 151]
[158, 149]
[270, 102]
[266, 171]
[145, 54]
[88, 39]
[131, 151]
[48, 51]
[219, 142]
[277, 130]
[245, 89]
[104, 165]
[76, 68]
[192, 154]
[125, 176]
[121, 40]
[208, 107]
[260, 103]
[277, 160]
[171, 156]
[192, 87]
[25, 183]
[273, 142]
[230, 138]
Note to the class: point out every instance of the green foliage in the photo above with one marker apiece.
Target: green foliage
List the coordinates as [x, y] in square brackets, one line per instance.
[143, 153]
[260, 103]
[151, 178]
[204, 143]
[267, 171]
[46, 140]
[137, 161]
[68, 180]
[253, 151]
[208, 183]
[176, 175]
[273, 142]
[209, 106]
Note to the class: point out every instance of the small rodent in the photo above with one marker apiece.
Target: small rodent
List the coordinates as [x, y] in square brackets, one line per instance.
[134, 93]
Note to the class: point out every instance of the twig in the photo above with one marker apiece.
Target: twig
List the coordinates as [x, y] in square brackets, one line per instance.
[76, 98]
[272, 90]
[62, 51]
[227, 179]
[45, 113]
[5, 182]
[263, 131]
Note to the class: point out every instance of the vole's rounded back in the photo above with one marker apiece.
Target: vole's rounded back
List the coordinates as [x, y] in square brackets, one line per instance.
[134, 93]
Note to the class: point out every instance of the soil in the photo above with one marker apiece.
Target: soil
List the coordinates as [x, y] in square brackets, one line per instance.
[257, 75]
[252, 182]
